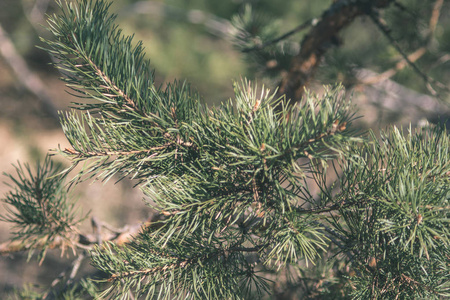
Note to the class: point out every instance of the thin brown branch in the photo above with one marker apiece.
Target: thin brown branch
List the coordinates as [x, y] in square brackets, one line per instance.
[246, 249]
[147, 272]
[73, 268]
[399, 66]
[304, 25]
[182, 263]
[442, 60]
[112, 153]
[82, 241]
[110, 85]
[113, 86]
[179, 142]
[61, 242]
[427, 79]
[434, 17]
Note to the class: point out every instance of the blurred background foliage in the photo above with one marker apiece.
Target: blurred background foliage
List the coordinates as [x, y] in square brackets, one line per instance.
[187, 39]
[190, 39]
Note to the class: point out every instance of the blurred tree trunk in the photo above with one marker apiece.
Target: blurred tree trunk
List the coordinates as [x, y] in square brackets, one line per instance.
[319, 39]
[25, 76]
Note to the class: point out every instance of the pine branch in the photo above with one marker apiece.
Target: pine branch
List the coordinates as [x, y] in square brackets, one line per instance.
[233, 196]
[111, 86]
[41, 240]
[178, 262]
[39, 208]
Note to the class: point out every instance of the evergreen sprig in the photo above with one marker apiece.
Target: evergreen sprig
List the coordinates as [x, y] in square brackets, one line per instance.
[233, 184]
[102, 64]
[231, 171]
[193, 268]
[38, 207]
[396, 214]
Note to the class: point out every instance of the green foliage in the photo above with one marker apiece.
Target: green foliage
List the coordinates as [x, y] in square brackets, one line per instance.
[77, 291]
[38, 206]
[396, 215]
[193, 268]
[234, 184]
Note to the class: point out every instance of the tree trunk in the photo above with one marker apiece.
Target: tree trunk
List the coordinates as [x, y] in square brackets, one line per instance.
[319, 39]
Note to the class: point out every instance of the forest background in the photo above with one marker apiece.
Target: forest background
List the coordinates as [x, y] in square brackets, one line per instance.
[191, 40]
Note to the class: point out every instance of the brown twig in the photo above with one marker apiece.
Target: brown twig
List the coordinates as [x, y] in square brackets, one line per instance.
[183, 263]
[399, 66]
[427, 79]
[149, 271]
[74, 267]
[434, 18]
[179, 142]
[78, 240]
[304, 25]
[112, 86]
